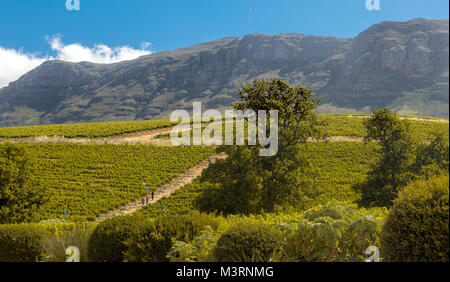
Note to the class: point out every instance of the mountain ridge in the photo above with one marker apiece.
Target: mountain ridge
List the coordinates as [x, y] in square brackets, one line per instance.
[403, 65]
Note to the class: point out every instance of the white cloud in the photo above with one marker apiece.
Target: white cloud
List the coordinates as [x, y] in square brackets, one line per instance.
[15, 63]
[100, 53]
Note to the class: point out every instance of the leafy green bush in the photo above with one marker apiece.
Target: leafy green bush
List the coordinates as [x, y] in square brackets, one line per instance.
[198, 250]
[316, 240]
[21, 243]
[155, 239]
[249, 243]
[107, 242]
[76, 234]
[334, 232]
[360, 234]
[417, 226]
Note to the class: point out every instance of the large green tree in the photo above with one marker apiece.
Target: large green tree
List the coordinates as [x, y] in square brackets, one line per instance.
[397, 151]
[20, 196]
[246, 182]
[402, 158]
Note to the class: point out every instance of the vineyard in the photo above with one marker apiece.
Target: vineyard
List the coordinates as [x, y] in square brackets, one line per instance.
[83, 129]
[87, 180]
[343, 125]
[336, 125]
[352, 126]
[336, 168]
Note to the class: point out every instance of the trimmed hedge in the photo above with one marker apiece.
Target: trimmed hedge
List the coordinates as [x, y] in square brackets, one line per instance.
[107, 241]
[155, 239]
[249, 243]
[21, 243]
[417, 228]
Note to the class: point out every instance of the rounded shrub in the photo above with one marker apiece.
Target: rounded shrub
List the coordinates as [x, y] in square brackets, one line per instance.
[155, 239]
[249, 243]
[21, 243]
[335, 232]
[333, 209]
[107, 242]
[416, 229]
[316, 240]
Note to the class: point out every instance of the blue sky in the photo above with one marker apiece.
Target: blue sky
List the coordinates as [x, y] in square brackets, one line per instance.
[29, 26]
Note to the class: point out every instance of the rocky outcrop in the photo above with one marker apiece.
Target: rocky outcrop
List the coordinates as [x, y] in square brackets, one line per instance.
[399, 64]
[391, 59]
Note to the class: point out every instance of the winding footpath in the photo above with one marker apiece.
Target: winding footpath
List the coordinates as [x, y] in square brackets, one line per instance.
[149, 137]
[135, 138]
[164, 190]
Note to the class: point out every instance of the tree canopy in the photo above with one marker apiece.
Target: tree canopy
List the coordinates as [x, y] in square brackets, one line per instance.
[403, 158]
[245, 182]
[20, 196]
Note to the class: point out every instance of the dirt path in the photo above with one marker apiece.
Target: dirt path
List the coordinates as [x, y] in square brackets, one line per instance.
[407, 118]
[339, 139]
[165, 190]
[187, 176]
[141, 137]
[148, 136]
[426, 119]
[134, 138]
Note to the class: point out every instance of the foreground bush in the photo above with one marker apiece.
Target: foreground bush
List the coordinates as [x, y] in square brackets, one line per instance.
[417, 227]
[249, 243]
[334, 232]
[107, 242]
[154, 241]
[69, 234]
[21, 243]
[198, 250]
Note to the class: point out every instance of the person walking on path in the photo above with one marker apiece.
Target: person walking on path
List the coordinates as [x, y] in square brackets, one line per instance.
[143, 201]
[146, 200]
[153, 195]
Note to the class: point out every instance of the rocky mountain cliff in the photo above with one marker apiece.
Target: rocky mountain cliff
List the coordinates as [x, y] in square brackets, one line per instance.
[403, 65]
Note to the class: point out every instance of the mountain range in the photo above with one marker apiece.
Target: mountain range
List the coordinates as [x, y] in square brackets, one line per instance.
[402, 65]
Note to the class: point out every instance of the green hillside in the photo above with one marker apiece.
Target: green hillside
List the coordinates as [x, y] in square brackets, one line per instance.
[87, 180]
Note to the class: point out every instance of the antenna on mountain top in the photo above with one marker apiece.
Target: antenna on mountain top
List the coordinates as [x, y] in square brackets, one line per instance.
[250, 18]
